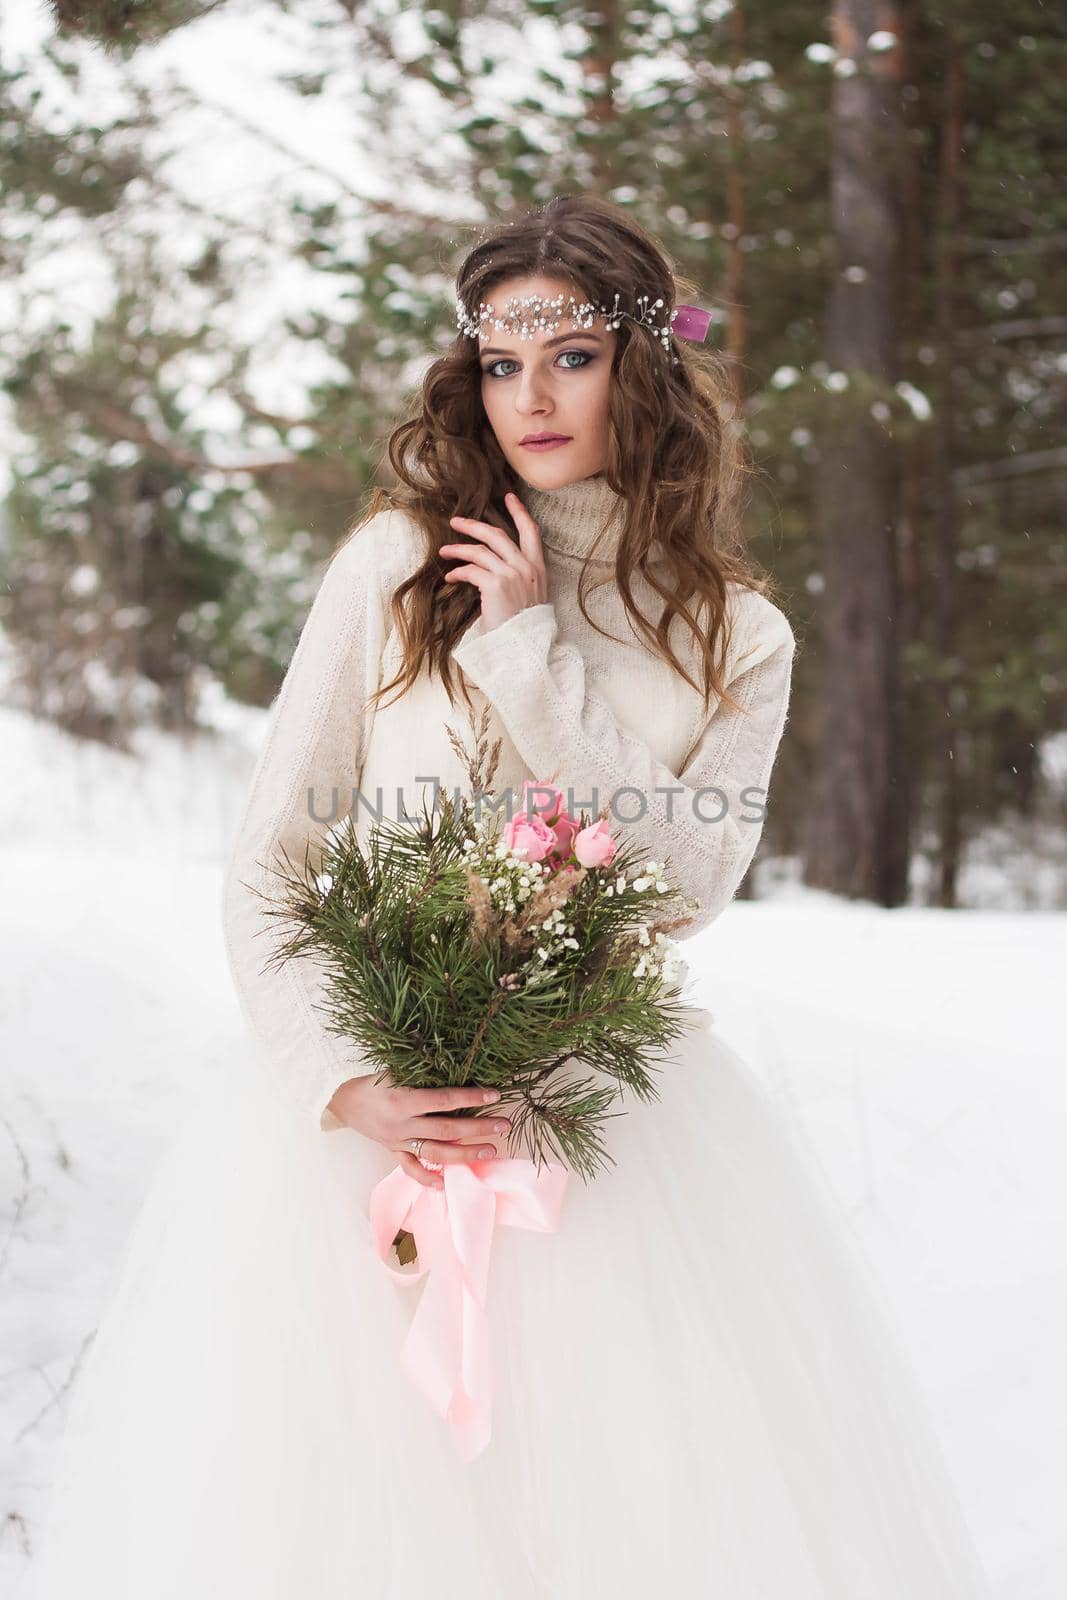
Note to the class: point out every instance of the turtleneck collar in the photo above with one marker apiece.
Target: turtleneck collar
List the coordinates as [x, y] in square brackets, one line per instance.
[570, 518]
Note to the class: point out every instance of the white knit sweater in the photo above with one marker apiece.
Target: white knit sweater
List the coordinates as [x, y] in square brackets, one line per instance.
[572, 707]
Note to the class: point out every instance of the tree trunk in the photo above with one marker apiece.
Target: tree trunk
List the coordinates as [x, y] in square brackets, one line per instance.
[946, 520]
[733, 287]
[907, 740]
[850, 838]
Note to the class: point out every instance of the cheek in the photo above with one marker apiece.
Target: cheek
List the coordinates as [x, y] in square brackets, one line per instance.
[490, 399]
[596, 400]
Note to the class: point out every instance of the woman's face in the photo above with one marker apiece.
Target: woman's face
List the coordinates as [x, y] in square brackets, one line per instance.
[549, 384]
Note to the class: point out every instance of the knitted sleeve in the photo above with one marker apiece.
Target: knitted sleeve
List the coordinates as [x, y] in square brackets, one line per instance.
[706, 820]
[309, 765]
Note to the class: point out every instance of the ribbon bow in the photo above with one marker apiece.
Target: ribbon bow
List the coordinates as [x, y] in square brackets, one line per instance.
[447, 1351]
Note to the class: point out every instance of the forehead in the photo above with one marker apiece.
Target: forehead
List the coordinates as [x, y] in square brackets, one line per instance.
[537, 314]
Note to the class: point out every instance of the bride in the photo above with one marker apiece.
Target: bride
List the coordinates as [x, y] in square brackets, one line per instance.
[698, 1383]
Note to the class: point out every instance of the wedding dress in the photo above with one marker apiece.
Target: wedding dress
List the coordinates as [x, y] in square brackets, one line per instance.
[697, 1378]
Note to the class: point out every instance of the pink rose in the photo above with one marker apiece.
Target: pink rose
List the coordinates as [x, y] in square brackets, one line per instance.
[594, 845]
[529, 836]
[565, 828]
[545, 799]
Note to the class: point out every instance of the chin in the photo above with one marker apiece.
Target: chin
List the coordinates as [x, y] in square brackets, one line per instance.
[553, 471]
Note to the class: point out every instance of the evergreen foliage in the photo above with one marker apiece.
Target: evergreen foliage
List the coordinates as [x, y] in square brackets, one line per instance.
[149, 439]
[450, 960]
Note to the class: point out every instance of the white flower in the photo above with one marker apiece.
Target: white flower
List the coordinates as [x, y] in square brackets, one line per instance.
[641, 884]
[661, 886]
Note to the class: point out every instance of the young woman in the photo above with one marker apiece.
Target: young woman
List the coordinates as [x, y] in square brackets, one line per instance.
[698, 1380]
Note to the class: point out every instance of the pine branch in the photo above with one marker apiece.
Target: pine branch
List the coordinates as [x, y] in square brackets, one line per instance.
[563, 1122]
[439, 987]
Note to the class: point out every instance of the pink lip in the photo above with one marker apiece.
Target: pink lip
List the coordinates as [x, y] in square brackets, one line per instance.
[545, 444]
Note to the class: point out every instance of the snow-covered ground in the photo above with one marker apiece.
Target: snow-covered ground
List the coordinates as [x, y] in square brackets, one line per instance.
[920, 1051]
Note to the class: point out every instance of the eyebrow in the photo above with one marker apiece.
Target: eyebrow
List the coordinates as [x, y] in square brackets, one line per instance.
[561, 338]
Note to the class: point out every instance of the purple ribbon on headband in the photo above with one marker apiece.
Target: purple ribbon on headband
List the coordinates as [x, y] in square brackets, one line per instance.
[691, 322]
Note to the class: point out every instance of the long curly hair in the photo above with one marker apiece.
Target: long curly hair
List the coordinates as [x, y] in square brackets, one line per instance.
[675, 454]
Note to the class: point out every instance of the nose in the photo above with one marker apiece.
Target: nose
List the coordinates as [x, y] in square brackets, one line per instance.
[531, 397]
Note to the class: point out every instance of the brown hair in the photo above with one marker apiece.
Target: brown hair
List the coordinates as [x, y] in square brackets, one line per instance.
[675, 455]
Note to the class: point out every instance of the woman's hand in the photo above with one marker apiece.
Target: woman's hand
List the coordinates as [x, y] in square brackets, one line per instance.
[510, 578]
[393, 1116]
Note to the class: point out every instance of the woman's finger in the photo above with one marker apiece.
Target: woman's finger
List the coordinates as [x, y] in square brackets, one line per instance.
[529, 531]
[439, 1150]
[480, 554]
[498, 547]
[454, 1129]
[496, 539]
[416, 1101]
[415, 1169]
[475, 575]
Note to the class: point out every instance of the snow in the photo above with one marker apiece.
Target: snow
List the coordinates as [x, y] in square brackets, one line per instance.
[919, 1051]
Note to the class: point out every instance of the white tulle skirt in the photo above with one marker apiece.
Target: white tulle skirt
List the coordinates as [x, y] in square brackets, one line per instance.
[698, 1383]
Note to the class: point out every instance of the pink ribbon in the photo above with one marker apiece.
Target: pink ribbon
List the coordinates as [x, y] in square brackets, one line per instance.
[446, 1352]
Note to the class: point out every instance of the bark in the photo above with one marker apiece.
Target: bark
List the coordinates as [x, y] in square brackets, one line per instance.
[947, 518]
[850, 848]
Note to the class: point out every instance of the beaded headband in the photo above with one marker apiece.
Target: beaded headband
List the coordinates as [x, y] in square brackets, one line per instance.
[523, 317]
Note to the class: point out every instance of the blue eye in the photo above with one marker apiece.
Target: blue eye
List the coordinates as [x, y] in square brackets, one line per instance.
[585, 360]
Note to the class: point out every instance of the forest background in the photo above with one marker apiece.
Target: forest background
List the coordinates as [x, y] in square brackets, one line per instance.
[219, 289]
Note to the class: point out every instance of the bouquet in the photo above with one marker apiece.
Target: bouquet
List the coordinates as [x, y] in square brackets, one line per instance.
[463, 951]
